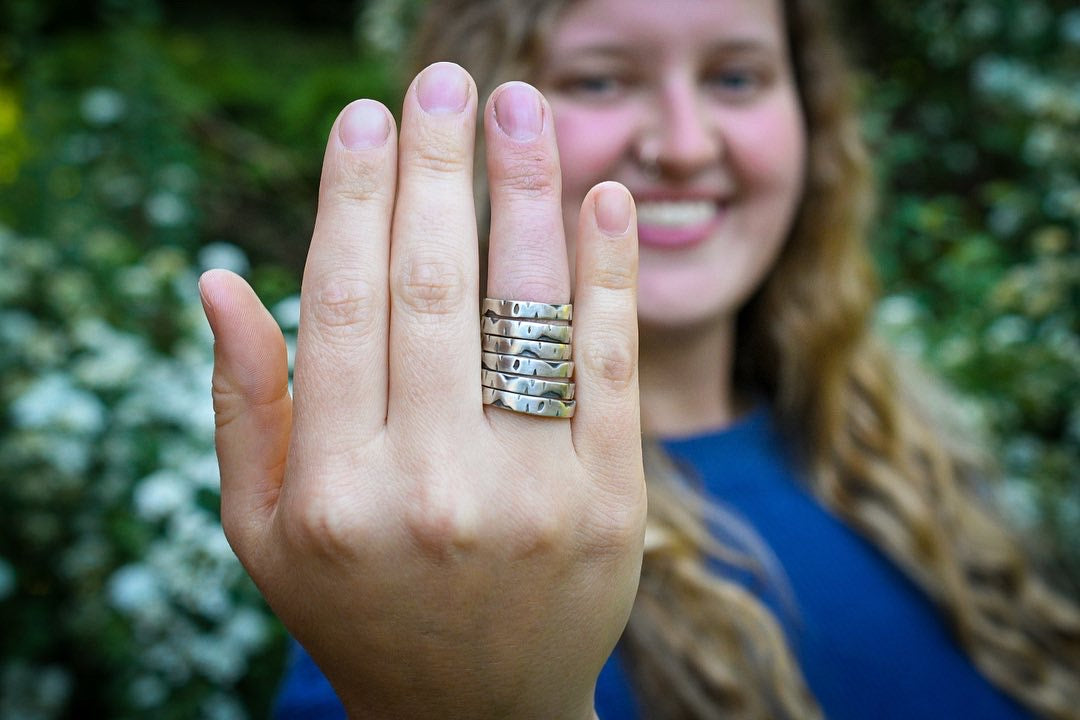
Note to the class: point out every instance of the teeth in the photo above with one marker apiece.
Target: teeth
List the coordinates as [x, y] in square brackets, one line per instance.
[676, 214]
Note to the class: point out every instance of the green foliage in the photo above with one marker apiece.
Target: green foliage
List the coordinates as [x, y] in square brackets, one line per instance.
[134, 152]
[974, 111]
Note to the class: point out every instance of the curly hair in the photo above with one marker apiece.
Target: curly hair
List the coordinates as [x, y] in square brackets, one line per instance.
[699, 645]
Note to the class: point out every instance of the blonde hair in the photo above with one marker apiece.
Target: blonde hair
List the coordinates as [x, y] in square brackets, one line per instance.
[699, 645]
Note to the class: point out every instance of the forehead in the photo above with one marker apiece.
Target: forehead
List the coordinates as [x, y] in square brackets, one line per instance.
[661, 24]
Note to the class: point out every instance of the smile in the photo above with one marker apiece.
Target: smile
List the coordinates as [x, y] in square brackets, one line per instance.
[676, 223]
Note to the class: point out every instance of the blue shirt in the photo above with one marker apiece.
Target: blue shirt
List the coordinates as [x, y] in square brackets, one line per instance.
[870, 644]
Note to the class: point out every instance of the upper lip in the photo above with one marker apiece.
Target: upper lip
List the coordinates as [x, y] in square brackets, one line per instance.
[662, 195]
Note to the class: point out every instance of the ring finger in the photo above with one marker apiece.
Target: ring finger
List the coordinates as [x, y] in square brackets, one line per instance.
[527, 257]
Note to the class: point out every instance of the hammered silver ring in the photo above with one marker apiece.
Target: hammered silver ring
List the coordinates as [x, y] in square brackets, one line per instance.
[525, 359]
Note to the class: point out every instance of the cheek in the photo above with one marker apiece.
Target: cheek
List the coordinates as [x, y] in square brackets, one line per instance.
[771, 150]
[591, 144]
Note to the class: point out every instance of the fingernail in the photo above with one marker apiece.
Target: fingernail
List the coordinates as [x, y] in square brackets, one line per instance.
[363, 125]
[613, 210]
[518, 112]
[442, 89]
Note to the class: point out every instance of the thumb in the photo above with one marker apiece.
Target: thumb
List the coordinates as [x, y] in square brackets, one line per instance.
[252, 407]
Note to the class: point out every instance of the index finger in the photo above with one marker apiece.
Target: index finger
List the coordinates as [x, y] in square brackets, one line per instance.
[340, 374]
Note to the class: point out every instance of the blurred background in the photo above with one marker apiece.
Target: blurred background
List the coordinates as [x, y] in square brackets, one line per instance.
[142, 141]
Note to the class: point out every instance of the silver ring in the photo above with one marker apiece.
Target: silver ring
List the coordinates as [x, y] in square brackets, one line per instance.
[526, 330]
[546, 407]
[527, 366]
[527, 385]
[528, 348]
[527, 309]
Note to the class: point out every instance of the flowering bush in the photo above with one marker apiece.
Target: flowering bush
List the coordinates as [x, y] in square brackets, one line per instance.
[113, 565]
[119, 594]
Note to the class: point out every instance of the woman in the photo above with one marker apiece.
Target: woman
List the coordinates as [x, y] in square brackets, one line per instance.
[439, 558]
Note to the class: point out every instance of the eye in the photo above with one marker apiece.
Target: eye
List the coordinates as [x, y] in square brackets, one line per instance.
[594, 86]
[735, 81]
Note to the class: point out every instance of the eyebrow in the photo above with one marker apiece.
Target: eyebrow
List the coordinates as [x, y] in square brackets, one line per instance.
[732, 46]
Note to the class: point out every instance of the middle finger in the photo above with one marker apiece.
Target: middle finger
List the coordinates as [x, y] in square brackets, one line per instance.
[434, 356]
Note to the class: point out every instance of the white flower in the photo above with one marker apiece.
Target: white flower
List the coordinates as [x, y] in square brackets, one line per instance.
[115, 357]
[222, 707]
[1019, 501]
[160, 494]
[166, 209]
[16, 327]
[202, 470]
[132, 587]
[168, 656]
[247, 629]
[1070, 26]
[898, 311]
[54, 401]
[102, 106]
[287, 312]
[136, 281]
[224, 255]
[217, 660]
[1006, 331]
[69, 455]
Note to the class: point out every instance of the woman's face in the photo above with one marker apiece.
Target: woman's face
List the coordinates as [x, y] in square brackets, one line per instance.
[692, 105]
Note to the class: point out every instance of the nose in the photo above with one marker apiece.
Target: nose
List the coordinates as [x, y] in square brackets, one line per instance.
[680, 138]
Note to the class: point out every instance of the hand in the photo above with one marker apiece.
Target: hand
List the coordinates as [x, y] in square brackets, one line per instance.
[438, 558]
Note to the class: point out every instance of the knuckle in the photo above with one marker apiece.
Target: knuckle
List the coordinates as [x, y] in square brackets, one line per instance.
[440, 525]
[323, 528]
[542, 533]
[430, 285]
[614, 274]
[528, 174]
[610, 357]
[439, 155]
[360, 181]
[228, 401]
[253, 397]
[347, 305]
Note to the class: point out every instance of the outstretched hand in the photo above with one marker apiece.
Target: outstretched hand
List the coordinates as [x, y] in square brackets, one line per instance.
[438, 557]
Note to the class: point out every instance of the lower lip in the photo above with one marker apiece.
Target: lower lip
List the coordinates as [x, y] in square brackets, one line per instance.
[675, 238]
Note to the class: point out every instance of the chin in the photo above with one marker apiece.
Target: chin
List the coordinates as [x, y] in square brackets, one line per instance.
[683, 317]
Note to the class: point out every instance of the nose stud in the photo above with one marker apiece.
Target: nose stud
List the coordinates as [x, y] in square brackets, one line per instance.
[648, 157]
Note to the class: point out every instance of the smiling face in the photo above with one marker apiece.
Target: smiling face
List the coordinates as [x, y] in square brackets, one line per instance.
[693, 106]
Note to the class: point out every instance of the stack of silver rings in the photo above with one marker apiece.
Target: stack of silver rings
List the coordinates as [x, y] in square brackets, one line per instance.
[525, 359]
